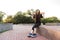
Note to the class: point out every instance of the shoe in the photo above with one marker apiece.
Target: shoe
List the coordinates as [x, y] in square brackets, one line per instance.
[30, 34]
[34, 35]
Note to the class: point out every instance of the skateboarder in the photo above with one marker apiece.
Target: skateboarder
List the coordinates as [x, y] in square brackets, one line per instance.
[37, 18]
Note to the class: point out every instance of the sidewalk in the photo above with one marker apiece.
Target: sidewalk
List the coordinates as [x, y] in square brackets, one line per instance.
[19, 32]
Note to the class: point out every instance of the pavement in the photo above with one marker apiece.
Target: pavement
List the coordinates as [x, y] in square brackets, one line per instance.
[20, 32]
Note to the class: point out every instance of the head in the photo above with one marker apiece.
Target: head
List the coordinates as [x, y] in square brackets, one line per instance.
[37, 11]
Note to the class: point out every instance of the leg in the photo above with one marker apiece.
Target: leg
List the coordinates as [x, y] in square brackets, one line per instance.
[34, 28]
[37, 27]
[32, 32]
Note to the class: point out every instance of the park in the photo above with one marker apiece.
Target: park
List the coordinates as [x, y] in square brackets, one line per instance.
[29, 20]
[18, 26]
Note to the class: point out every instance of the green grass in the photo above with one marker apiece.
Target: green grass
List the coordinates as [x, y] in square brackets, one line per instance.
[3, 31]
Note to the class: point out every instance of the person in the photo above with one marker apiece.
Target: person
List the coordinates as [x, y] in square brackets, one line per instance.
[37, 18]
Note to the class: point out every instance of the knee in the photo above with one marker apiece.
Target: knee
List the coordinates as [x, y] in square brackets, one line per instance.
[32, 28]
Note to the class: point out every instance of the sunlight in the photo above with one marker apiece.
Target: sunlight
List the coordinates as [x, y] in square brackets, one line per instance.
[10, 7]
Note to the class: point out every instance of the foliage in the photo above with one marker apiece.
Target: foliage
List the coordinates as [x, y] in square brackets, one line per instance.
[8, 19]
[3, 31]
[25, 17]
[1, 15]
[50, 20]
[22, 18]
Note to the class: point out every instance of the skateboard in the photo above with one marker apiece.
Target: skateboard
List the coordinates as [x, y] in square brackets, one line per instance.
[32, 35]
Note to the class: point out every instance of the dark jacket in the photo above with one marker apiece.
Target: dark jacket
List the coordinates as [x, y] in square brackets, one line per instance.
[38, 18]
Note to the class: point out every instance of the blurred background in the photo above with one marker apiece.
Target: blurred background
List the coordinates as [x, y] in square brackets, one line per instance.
[14, 10]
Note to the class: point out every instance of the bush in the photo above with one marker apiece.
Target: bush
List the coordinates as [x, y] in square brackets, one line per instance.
[8, 19]
[21, 18]
[43, 20]
[26, 18]
[50, 20]
[1, 15]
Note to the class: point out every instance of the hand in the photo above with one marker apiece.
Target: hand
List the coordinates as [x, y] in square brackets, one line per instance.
[42, 13]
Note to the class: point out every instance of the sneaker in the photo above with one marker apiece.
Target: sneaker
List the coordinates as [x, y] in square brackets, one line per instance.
[34, 35]
[30, 34]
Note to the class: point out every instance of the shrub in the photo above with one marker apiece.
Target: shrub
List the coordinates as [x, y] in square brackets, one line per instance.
[22, 18]
[50, 20]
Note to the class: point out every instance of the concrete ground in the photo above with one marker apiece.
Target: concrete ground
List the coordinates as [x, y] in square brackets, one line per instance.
[20, 32]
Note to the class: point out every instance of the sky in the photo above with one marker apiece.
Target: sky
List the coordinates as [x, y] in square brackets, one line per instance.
[50, 7]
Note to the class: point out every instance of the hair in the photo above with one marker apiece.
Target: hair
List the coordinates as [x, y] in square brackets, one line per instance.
[38, 12]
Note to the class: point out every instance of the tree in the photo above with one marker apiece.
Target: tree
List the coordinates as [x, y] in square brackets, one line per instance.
[50, 20]
[28, 12]
[9, 19]
[22, 18]
[1, 15]
[32, 10]
[18, 13]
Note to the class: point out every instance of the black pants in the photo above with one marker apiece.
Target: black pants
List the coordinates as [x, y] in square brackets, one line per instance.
[36, 25]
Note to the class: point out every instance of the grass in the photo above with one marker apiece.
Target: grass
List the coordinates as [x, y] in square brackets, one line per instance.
[3, 31]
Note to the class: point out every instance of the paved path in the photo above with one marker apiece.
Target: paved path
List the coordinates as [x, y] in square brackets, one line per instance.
[19, 32]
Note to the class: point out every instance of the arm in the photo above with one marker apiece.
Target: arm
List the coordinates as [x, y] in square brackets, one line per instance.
[34, 18]
[41, 16]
